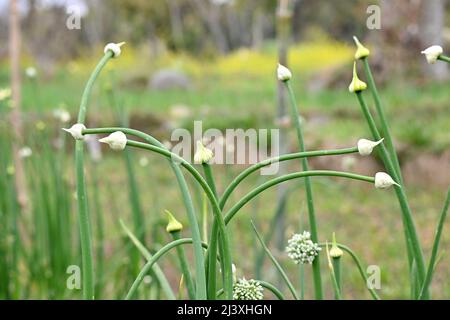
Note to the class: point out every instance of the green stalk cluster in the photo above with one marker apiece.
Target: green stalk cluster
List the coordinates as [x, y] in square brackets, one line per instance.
[203, 284]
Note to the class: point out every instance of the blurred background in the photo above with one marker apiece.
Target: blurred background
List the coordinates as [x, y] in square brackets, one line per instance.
[213, 60]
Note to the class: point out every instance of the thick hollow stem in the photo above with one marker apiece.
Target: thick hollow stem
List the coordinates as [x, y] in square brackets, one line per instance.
[212, 256]
[412, 240]
[434, 252]
[83, 211]
[383, 120]
[184, 266]
[309, 193]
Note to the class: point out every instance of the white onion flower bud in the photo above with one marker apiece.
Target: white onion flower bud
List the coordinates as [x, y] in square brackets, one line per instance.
[116, 140]
[248, 290]
[301, 249]
[203, 154]
[335, 251]
[114, 48]
[283, 73]
[76, 131]
[432, 53]
[365, 147]
[384, 181]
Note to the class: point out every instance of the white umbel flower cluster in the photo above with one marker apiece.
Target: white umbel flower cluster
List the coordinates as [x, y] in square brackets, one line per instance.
[248, 290]
[302, 249]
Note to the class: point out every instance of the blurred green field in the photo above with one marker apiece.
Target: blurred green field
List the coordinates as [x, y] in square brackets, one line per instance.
[229, 93]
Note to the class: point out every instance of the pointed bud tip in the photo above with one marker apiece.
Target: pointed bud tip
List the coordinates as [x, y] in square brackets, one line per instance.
[356, 85]
[173, 224]
[384, 181]
[432, 53]
[202, 154]
[116, 140]
[283, 73]
[365, 147]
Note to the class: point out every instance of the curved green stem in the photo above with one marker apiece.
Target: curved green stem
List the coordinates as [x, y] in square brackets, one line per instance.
[434, 252]
[218, 219]
[198, 252]
[249, 196]
[176, 235]
[358, 265]
[412, 239]
[149, 264]
[276, 263]
[277, 293]
[218, 223]
[444, 58]
[163, 282]
[308, 189]
[239, 178]
[83, 211]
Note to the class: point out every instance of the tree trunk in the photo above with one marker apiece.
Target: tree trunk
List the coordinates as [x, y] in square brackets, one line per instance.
[431, 26]
[258, 29]
[211, 16]
[15, 115]
[176, 23]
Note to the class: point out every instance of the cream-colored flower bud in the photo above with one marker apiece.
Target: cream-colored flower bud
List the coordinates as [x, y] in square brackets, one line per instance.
[173, 224]
[384, 181]
[283, 73]
[432, 53]
[76, 131]
[365, 147]
[356, 85]
[335, 251]
[116, 140]
[114, 48]
[361, 51]
[203, 154]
